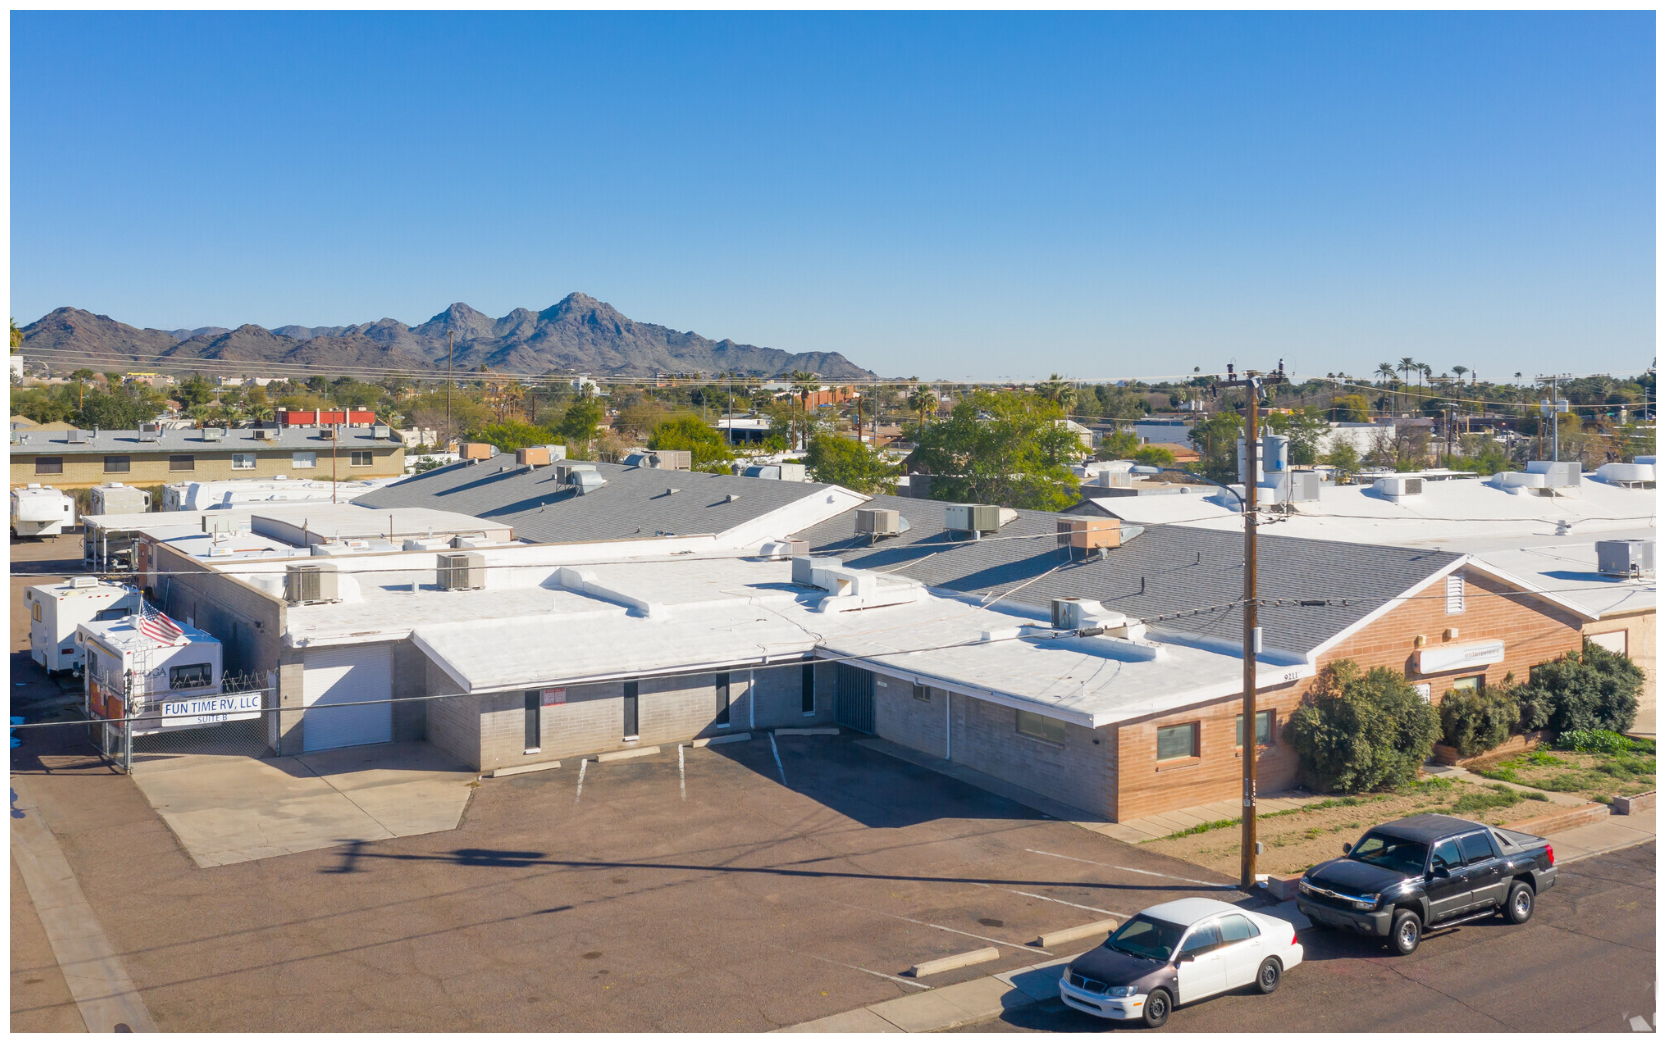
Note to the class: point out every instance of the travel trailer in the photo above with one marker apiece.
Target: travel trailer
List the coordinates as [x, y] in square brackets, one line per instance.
[56, 609]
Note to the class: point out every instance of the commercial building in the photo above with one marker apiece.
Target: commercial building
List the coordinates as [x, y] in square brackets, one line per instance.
[77, 459]
[1542, 537]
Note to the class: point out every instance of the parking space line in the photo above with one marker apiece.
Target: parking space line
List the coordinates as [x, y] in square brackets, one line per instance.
[1061, 901]
[681, 794]
[581, 786]
[784, 774]
[952, 930]
[1143, 872]
[866, 970]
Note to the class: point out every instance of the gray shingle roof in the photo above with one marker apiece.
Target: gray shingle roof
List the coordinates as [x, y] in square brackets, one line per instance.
[180, 440]
[634, 502]
[1164, 570]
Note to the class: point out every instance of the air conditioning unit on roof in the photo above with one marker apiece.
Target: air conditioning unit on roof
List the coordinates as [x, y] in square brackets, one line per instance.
[214, 434]
[305, 584]
[149, 432]
[876, 521]
[264, 433]
[1399, 486]
[461, 570]
[973, 517]
[1627, 558]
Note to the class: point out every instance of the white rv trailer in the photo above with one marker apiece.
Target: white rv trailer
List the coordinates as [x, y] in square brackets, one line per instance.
[56, 609]
[156, 683]
[117, 498]
[41, 510]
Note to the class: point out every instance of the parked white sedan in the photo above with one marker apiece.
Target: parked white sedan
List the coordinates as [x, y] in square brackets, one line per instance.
[1177, 953]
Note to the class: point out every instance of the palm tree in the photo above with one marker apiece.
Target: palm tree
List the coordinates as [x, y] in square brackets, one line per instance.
[1459, 372]
[81, 376]
[1058, 390]
[921, 399]
[1405, 366]
[805, 384]
[1386, 373]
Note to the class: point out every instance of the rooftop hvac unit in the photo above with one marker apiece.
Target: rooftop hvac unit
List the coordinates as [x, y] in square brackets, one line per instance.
[566, 470]
[461, 570]
[1398, 486]
[671, 459]
[327, 433]
[476, 451]
[213, 523]
[79, 582]
[1627, 558]
[150, 432]
[1087, 533]
[587, 481]
[1072, 613]
[214, 434]
[534, 456]
[77, 436]
[381, 431]
[973, 517]
[308, 583]
[639, 458]
[263, 433]
[876, 522]
[1561, 474]
[771, 471]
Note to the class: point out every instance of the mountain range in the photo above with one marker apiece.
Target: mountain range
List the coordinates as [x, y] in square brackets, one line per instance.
[579, 334]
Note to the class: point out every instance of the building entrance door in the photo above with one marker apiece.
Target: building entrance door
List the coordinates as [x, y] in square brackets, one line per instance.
[854, 698]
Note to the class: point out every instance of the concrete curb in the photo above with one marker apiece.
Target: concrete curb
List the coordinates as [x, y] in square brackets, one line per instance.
[523, 769]
[622, 755]
[954, 961]
[1072, 934]
[949, 1007]
[720, 740]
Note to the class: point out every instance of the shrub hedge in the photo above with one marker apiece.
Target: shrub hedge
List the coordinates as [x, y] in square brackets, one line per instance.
[1475, 720]
[1360, 731]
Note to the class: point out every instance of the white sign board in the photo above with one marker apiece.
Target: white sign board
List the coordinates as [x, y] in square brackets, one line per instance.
[1444, 658]
[211, 709]
[553, 696]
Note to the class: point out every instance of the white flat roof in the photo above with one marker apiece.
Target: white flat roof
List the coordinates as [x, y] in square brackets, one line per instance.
[538, 625]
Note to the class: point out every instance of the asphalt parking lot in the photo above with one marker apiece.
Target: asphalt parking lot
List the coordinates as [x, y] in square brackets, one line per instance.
[1585, 962]
[716, 898]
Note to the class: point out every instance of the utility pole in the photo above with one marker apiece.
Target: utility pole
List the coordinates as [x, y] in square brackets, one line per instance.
[1251, 634]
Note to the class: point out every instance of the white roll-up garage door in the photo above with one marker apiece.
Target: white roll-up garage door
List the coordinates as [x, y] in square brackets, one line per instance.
[350, 674]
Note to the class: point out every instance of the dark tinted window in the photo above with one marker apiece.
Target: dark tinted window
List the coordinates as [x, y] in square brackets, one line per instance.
[181, 462]
[117, 464]
[1141, 936]
[1202, 939]
[49, 465]
[1237, 929]
[1406, 856]
[1476, 848]
[194, 676]
[1447, 855]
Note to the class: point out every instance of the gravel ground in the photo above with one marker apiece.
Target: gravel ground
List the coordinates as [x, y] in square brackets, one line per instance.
[1294, 842]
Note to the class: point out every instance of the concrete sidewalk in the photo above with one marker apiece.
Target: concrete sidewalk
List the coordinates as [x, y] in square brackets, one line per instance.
[982, 999]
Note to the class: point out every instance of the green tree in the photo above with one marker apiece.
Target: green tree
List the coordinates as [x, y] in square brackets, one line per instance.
[17, 336]
[510, 435]
[1599, 689]
[1154, 456]
[1342, 457]
[81, 377]
[1215, 437]
[921, 399]
[580, 420]
[848, 462]
[707, 449]
[1015, 455]
[1357, 731]
[1060, 391]
[1352, 409]
[1119, 445]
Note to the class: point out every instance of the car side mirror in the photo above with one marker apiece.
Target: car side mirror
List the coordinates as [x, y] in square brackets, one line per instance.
[1185, 958]
[1347, 847]
[1439, 870]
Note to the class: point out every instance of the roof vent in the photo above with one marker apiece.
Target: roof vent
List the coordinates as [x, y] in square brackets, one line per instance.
[306, 584]
[1627, 558]
[731, 497]
[461, 570]
[587, 481]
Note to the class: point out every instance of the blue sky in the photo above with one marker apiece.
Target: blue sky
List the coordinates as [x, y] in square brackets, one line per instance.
[942, 195]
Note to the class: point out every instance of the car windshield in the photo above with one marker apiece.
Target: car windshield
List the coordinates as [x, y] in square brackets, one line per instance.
[1404, 856]
[1146, 937]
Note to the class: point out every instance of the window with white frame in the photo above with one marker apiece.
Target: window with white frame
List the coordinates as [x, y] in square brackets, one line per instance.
[243, 461]
[304, 461]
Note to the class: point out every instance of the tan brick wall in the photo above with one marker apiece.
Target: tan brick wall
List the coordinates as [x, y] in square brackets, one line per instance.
[83, 470]
[1532, 630]
[1641, 629]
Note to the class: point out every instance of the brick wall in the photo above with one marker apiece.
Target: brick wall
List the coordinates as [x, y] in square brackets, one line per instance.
[1533, 632]
[902, 718]
[1077, 772]
[452, 725]
[410, 678]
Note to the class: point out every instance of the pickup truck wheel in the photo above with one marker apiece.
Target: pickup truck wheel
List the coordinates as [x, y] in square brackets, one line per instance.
[1405, 932]
[1269, 976]
[1157, 1010]
[1521, 902]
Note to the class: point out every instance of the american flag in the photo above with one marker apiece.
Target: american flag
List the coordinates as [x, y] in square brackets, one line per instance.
[160, 628]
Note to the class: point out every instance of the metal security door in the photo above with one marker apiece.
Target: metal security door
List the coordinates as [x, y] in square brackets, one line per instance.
[854, 698]
[355, 674]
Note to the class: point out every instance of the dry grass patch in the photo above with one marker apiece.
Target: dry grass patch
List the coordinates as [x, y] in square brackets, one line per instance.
[1296, 839]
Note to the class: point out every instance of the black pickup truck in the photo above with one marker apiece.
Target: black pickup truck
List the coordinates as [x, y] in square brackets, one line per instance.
[1427, 871]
